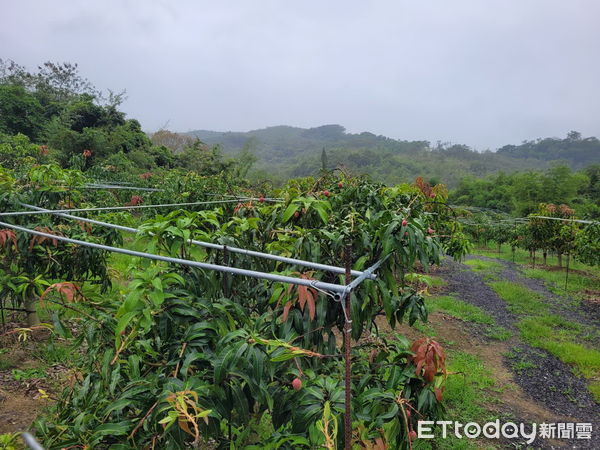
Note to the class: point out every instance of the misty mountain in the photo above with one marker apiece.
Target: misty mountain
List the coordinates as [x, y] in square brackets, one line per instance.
[293, 151]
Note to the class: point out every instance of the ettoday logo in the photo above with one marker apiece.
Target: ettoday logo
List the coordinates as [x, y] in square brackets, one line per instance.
[427, 429]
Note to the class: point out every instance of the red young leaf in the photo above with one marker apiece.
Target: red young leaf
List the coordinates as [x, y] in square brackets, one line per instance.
[35, 240]
[304, 295]
[429, 358]
[66, 289]
[7, 236]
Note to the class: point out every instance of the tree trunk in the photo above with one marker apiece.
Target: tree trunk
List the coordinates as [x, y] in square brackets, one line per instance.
[534, 259]
[545, 258]
[32, 316]
[559, 255]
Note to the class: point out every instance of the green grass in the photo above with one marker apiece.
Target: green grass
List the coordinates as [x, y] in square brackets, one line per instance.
[577, 282]
[121, 263]
[28, 374]
[522, 257]
[594, 388]
[520, 300]
[54, 353]
[459, 309]
[523, 365]
[490, 270]
[425, 328]
[7, 362]
[498, 333]
[469, 313]
[543, 332]
[434, 281]
[550, 332]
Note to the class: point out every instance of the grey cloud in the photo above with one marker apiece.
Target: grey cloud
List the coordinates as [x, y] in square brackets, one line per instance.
[484, 73]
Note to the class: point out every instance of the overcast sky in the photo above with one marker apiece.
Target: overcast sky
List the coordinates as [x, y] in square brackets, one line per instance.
[480, 72]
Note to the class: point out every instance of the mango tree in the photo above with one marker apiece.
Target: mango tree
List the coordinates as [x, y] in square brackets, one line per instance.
[183, 356]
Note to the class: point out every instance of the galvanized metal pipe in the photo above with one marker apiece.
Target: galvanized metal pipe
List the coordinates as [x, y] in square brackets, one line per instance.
[558, 218]
[31, 442]
[113, 208]
[330, 287]
[368, 273]
[252, 253]
[116, 186]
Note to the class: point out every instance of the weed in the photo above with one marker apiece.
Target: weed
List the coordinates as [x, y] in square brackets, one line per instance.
[460, 309]
[520, 300]
[490, 270]
[7, 362]
[55, 353]
[522, 365]
[594, 388]
[556, 281]
[498, 333]
[10, 441]
[425, 328]
[28, 374]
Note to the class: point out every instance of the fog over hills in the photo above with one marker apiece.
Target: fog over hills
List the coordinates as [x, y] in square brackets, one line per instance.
[295, 151]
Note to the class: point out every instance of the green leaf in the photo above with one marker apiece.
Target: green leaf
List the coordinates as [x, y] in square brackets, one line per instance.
[290, 210]
[322, 212]
[110, 429]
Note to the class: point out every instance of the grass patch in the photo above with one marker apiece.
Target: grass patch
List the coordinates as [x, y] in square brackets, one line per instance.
[577, 282]
[54, 353]
[550, 332]
[542, 332]
[28, 374]
[520, 366]
[498, 333]
[469, 313]
[520, 300]
[7, 362]
[490, 270]
[522, 257]
[459, 309]
[425, 328]
[594, 388]
[434, 281]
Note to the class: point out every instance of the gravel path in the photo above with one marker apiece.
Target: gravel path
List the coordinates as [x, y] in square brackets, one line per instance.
[545, 378]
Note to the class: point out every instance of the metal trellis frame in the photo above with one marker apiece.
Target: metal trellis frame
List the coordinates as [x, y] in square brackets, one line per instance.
[115, 208]
[328, 287]
[118, 186]
[225, 248]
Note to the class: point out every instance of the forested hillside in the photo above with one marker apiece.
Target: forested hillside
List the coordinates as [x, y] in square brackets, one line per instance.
[297, 152]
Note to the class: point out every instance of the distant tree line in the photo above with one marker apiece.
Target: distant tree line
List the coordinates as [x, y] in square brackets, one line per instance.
[521, 193]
